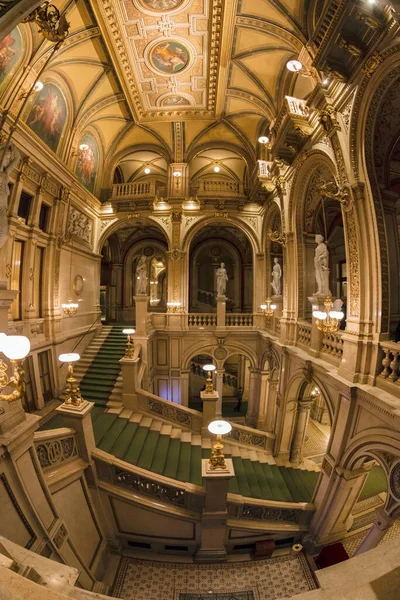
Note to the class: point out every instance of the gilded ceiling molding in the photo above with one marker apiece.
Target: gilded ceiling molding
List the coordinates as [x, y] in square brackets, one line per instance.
[266, 111]
[279, 32]
[107, 101]
[225, 51]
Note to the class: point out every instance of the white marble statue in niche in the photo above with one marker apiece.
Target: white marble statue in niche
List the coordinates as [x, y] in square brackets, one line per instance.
[222, 278]
[141, 276]
[276, 278]
[11, 157]
[321, 264]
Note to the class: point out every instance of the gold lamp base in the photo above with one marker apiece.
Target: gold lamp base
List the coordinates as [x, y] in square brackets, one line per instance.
[217, 458]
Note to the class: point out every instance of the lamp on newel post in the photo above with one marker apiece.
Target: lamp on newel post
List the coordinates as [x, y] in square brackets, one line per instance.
[130, 346]
[209, 385]
[16, 348]
[72, 392]
[217, 458]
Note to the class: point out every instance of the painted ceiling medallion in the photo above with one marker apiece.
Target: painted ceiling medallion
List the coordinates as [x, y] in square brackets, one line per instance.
[161, 5]
[175, 101]
[169, 57]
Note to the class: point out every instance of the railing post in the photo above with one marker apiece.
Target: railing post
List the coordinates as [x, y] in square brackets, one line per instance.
[141, 302]
[129, 374]
[79, 418]
[215, 513]
[221, 311]
[209, 409]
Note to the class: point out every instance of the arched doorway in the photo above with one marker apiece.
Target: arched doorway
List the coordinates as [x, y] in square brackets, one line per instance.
[211, 246]
[197, 379]
[235, 387]
[318, 429]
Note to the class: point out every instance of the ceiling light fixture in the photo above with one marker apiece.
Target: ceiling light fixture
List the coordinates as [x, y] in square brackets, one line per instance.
[294, 65]
[147, 170]
[264, 139]
[217, 169]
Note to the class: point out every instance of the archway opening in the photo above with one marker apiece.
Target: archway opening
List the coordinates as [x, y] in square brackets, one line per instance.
[235, 388]
[213, 245]
[318, 428]
[197, 379]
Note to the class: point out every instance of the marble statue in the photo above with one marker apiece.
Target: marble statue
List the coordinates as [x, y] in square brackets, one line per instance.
[222, 278]
[276, 278]
[141, 275]
[10, 159]
[321, 264]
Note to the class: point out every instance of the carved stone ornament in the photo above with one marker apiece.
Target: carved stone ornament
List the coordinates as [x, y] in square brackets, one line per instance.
[328, 119]
[78, 285]
[220, 353]
[52, 24]
[308, 371]
[395, 481]
[265, 513]
[79, 225]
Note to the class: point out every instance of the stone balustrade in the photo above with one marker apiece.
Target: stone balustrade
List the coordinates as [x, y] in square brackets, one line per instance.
[202, 320]
[238, 320]
[304, 334]
[295, 516]
[123, 191]
[169, 411]
[389, 371]
[55, 447]
[332, 344]
[222, 188]
[252, 437]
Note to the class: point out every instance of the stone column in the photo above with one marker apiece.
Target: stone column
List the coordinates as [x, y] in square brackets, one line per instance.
[185, 387]
[289, 291]
[377, 532]
[141, 303]
[254, 397]
[220, 390]
[317, 303]
[303, 414]
[215, 513]
[221, 311]
[79, 418]
[248, 288]
[115, 291]
[337, 493]
[209, 410]
[264, 400]
[129, 374]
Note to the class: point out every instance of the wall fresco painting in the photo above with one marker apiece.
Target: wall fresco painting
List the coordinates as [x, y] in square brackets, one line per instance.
[169, 57]
[11, 51]
[88, 162]
[48, 115]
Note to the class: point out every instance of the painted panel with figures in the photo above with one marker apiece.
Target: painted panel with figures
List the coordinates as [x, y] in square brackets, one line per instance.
[48, 115]
[88, 162]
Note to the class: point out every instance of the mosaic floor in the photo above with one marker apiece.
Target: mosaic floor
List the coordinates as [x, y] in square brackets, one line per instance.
[317, 437]
[353, 542]
[254, 580]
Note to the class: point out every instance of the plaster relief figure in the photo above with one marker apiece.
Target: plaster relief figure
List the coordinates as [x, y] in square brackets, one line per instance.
[222, 278]
[321, 264]
[10, 160]
[276, 278]
[141, 275]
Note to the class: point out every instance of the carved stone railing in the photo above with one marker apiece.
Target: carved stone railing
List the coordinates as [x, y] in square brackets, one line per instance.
[123, 191]
[120, 474]
[203, 320]
[292, 514]
[332, 344]
[169, 411]
[291, 129]
[252, 437]
[304, 334]
[222, 188]
[55, 447]
[238, 320]
[389, 371]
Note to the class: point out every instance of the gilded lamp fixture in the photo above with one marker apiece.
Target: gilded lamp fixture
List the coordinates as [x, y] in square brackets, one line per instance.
[130, 345]
[209, 385]
[217, 458]
[268, 308]
[16, 348]
[72, 392]
[328, 321]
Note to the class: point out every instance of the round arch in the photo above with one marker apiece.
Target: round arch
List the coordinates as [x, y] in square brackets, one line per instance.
[210, 349]
[121, 223]
[196, 227]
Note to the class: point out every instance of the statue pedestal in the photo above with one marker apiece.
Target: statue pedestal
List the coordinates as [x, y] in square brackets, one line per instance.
[317, 303]
[221, 311]
[141, 302]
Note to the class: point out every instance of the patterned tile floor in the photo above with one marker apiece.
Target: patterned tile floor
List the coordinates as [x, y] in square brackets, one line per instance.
[353, 542]
[265, 579]
[317, 437]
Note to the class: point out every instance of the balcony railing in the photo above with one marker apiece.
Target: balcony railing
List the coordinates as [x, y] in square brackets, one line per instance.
[202, 320]
[238, 320]
[304, 334]
[332, 344]
[124, 191]
[389, 372]
[222, 188]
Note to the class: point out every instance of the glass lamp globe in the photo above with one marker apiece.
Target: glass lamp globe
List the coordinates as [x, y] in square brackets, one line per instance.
[177, 174]
[294, 65]
[263, 306]
[263, 139]
[16, 347]
[3, 337]
[336, 314]
[209, 368]
[219, 427]
[217, 169]
[128, 331]
[147, 170]
[273, 306]
[318, 314]
[38, 86]
[83, 147]
[69, 357]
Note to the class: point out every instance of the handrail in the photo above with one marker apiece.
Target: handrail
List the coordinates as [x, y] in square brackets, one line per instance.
[84, 334]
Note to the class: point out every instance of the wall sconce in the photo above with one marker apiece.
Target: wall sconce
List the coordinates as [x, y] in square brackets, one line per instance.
[177, 175]
[130, 346]
[295, 66]
[328, 321]
[72, 392]
[209, 385]
[37, 87]
[16, 348]
[81, 150]
[70, 307]
[217, 458]
[268, 308]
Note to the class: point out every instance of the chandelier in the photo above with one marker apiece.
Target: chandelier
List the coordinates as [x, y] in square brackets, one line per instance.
[328, 321]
